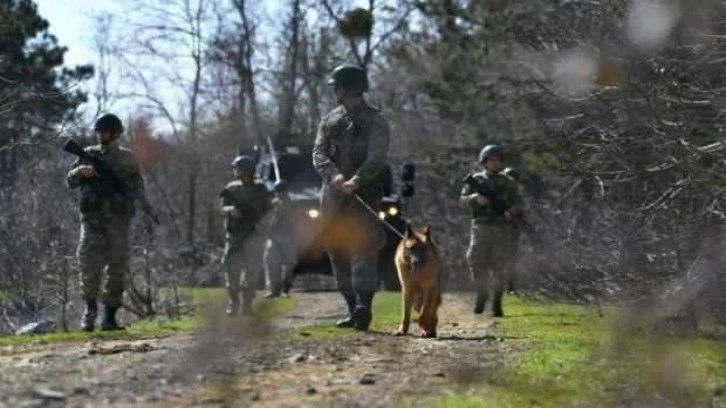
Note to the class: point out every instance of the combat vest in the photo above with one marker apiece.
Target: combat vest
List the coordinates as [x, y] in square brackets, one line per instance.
[97, 197]
[252, 201]
[346, 137]
[500, 192]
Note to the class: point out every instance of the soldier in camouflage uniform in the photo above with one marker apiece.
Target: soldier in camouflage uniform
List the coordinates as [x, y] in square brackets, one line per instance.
[349, 153]
[105, 222]
[280, 249]
[243, 203]
[491, 237]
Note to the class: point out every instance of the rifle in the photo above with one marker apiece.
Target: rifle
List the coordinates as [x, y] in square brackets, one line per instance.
[249, 215]
[109, 182]
[481, 187]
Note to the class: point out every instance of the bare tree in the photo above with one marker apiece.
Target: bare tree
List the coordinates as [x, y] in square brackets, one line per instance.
[235, 46]
[105, 52]
[289, 75]
[357, 26]
[176, 31]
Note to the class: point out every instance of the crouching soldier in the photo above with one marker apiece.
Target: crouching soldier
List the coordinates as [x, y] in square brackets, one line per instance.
[493, 200]
[243, 202]
[281, 252]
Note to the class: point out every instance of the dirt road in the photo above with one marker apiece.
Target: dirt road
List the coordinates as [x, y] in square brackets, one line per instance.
[238, 366]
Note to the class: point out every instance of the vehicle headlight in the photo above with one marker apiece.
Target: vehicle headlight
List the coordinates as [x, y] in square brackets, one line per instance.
[313, 213]
[381, 215]
[393, 211]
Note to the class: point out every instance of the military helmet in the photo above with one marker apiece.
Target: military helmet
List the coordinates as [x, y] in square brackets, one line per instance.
[349, 76]
[244, 164]
[511, 172]
[109, 122]
[490, 150]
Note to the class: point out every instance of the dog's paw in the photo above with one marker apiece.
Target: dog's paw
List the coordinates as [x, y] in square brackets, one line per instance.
[427, 334]
[400, 332]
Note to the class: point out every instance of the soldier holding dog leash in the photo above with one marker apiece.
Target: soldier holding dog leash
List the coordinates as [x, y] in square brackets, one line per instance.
[349, 153]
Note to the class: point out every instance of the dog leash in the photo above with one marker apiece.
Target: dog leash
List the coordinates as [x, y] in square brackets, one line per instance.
[375, 214]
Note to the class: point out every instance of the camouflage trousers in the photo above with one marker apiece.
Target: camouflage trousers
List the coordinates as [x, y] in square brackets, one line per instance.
[280, 258]
[242, 263]
[353, 238]
[355, 273]
[489, 255]
[104, 244]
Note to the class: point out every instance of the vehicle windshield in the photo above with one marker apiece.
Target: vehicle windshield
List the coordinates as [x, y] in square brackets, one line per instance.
[296, 169]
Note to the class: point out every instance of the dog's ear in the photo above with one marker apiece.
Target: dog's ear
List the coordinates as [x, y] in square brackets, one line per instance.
[408, 232]
[426, 233]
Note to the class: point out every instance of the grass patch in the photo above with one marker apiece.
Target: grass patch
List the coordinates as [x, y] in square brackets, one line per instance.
[386, 316]
[577, 357]
[158, 327]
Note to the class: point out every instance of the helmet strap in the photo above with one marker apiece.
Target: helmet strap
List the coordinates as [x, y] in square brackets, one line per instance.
[351, 99]
[244, 176]
[112, 141]
[486, 166]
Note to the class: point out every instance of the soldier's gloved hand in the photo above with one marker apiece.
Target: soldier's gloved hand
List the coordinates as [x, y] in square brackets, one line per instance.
[508, 215]
[338, 181]
[86, 171]
[350, 186]
[481, 200]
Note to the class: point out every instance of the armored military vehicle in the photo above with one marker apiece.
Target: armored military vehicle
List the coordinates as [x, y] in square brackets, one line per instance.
[304, 188]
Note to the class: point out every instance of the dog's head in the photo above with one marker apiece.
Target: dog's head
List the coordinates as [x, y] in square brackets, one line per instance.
[417, 246]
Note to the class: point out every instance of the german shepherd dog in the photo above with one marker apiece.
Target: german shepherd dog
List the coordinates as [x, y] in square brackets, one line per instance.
[419, 271]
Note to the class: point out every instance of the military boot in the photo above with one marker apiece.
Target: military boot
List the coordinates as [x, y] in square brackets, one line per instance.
[363, 311]
[89, 316]
[233, 305]
[481, 300]
[511, 286]
[275, 291]
[287, 286]
[108, 323]
[247, 297]
[497, 304]
[349, 321]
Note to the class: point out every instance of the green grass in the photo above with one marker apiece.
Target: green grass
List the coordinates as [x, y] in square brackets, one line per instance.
[199, 298]
[385, 319]
[577, 358]
[573, 355]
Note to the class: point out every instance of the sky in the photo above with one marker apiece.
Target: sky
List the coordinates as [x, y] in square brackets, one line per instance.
[72, 22]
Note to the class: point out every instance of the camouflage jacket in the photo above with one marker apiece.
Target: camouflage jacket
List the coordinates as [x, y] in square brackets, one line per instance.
[252, 200]
[353, 143]
[97, 198]
[505, 191]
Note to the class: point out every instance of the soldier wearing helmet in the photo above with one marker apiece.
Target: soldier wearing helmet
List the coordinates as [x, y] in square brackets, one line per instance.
[105, 222]
[281, 252]
[243, 202]
[493, 200]
[349, 153]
